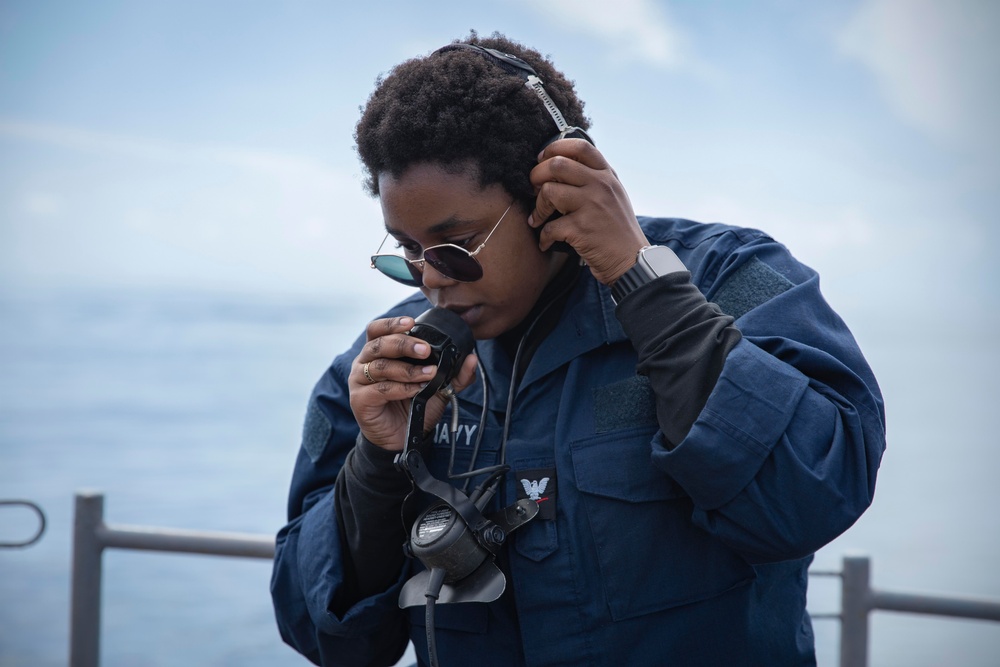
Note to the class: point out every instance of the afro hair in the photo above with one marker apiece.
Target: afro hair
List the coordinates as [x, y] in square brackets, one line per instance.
[459, 109]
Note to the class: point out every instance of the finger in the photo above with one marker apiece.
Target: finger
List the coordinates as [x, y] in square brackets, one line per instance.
[552, 199]
[388, 325]
[382, 370]
[580, 150]
[466, 374]
[548, 235]
[544, 210]
[561, 169]
[562, 229]
[394, 346]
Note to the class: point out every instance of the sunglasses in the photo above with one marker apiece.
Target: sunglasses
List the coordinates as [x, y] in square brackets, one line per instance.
[448, 259]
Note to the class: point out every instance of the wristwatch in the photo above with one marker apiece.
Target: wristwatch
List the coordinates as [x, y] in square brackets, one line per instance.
[652, 262]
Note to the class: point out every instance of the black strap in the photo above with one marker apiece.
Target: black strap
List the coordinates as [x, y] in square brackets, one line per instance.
[511, 64]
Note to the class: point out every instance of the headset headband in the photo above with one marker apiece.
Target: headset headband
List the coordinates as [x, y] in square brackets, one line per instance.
[514, 65]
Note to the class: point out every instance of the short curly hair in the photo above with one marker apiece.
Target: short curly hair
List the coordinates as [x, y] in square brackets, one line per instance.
[458, 108]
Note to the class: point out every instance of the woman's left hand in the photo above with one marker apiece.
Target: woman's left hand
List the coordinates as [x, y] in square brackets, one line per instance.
[573, 178]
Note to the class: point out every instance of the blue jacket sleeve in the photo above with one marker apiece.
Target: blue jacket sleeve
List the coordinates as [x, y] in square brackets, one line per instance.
[309, 584]
[783, 457]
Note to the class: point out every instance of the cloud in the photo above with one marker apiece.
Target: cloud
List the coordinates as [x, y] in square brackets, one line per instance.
[261, 162]
[42, 204]
[147, 210]
[635, 30]
[937, 63]
[296, 189]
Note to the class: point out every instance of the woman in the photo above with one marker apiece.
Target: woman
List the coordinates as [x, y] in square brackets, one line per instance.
[688, 415]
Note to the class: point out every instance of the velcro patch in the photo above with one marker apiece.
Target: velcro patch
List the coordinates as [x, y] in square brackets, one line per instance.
[539, 484]
[315, 431]
[751, 285]
[623, 404]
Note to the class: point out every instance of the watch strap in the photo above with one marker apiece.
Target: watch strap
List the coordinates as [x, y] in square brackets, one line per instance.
[646, 269]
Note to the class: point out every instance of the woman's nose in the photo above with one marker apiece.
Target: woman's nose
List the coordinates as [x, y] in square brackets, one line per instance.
[434, 279]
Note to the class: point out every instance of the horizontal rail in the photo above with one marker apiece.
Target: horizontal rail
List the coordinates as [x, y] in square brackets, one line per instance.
[91, 536]
[858, 599]
[936, 605]
[209, 543]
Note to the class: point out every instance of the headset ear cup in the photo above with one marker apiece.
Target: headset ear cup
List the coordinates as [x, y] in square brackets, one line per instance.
[577, 133]
[550, 141]
[568, 133]
[559, 246]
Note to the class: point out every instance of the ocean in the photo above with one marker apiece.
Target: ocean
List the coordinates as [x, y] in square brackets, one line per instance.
[185, 410]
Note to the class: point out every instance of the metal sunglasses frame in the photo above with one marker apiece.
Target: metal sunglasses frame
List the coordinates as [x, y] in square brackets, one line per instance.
[419, 263]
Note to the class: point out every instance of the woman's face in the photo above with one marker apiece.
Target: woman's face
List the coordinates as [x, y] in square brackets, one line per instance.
[428, 206]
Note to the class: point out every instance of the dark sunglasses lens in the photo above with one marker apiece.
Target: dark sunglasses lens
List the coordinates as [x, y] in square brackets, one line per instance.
[454, 263]
[398, 269]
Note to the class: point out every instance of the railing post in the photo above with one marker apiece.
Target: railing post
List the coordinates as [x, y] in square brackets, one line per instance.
[855, 598]
[85, 605]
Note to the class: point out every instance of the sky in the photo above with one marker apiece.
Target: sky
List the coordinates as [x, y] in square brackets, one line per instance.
[209, 146]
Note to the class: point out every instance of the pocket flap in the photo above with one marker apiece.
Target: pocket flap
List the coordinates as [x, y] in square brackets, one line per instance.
[619, 465]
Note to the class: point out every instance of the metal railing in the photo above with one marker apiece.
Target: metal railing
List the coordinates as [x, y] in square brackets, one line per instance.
[858, 600]
[91, 536]
[39, 514]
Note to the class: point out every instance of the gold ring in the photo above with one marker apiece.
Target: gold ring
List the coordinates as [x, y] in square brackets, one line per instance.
[367, 374]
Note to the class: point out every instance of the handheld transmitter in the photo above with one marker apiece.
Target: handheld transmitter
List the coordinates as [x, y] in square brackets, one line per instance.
[452, 537]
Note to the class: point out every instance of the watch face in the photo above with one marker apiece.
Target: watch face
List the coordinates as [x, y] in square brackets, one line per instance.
[661, 260]
[652, 262]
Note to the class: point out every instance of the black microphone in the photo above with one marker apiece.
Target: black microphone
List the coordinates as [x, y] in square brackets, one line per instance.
[450, 340]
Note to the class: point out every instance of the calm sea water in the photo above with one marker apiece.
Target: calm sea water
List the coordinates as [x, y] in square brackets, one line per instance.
[186, 409]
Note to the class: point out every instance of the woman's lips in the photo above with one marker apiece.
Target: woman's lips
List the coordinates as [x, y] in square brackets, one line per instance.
[469, 314]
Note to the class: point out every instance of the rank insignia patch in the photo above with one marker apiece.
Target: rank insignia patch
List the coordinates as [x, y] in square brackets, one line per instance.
[539, 484]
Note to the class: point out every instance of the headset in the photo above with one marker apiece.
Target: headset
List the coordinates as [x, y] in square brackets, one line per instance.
[454, 540]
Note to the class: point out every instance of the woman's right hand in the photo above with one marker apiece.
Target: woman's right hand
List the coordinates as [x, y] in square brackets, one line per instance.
[381, 399]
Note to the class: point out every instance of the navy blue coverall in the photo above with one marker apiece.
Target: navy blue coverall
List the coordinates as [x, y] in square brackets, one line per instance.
[658, 552]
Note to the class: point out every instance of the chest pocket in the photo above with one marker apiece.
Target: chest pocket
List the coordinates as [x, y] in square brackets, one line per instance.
[651, 556]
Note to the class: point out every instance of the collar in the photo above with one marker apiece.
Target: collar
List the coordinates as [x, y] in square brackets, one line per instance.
[587, 323]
